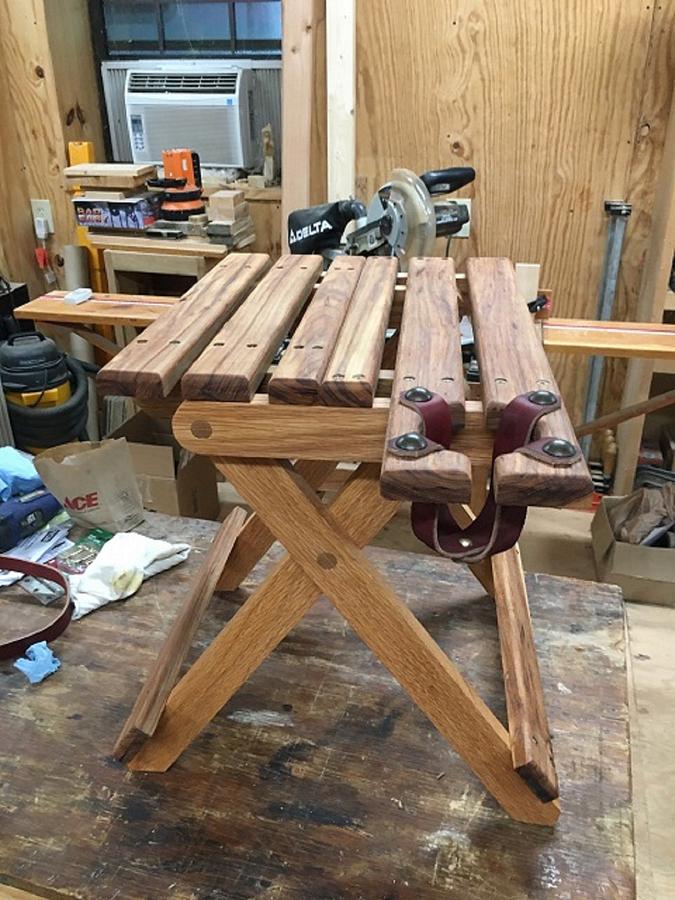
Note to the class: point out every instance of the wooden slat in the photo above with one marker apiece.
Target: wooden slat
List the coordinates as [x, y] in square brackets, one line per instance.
[509, 350]
[235, 361]
[617, 339]
[152, 365]
[429, 355]
[299, 374]
[531, 748]
[351, 377]
[102, 309]
[512, 361]
[150, 703]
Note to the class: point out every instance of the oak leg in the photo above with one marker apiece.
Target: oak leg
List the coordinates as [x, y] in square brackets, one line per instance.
[255, 539]
[531, 748]
[321, 545]
[256, 629]
[147, 709]
[464, 516]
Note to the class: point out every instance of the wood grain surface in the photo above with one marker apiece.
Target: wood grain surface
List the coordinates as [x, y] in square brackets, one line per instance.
[298, 376]
[150, 702]
[261, 428]
[531, 747]
[319, 778]
[232, 365]
[351, 376]
[267, 617]
[101, 309]
[326, 553]
[511, 358]
[549, 142]
[512, 361]
[429, 355]
[45, 101]
[189, 246]
[152, 365]
[255, 538]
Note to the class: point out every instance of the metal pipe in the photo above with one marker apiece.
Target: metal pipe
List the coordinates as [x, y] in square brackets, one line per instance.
[618, 212]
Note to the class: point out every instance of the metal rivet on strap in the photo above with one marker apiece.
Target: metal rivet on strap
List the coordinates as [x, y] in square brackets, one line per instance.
[418, 395]
[465, 542]
[411, 441]
[559, 448]
[542, 398]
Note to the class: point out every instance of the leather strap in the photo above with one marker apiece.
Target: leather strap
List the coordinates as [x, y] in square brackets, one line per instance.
[18, 646]
[496, 528]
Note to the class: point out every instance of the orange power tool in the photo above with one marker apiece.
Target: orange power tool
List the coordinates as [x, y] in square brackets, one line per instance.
[181, 185]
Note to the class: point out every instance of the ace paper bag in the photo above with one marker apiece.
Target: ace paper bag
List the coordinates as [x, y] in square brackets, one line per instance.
[95, 482]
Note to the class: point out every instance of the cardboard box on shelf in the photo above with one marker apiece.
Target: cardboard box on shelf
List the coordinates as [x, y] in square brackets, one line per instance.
[170, 479]
[130, 214]
[643, 573]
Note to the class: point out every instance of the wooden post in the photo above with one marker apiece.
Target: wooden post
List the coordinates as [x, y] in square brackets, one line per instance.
[651, 303]
[341, 97]
[303, 107]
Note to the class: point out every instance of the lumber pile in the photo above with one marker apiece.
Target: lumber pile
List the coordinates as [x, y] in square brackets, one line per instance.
[230, 220]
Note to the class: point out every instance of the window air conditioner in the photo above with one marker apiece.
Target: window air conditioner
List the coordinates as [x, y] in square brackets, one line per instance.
[207, 111]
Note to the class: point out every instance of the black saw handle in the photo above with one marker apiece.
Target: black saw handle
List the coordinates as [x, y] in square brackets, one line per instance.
[445, 181]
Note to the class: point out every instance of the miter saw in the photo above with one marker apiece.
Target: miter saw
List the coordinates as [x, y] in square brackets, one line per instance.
[400, 220]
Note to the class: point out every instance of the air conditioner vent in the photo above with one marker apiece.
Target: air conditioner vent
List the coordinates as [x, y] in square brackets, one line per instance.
[182, 82]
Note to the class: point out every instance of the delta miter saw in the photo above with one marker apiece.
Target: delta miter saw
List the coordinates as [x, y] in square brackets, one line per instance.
[401, 219]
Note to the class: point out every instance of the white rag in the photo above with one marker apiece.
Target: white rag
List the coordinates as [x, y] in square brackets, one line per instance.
[122, 565]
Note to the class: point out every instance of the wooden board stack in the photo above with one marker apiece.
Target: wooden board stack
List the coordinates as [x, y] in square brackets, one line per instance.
[230, 220]
[115, 180]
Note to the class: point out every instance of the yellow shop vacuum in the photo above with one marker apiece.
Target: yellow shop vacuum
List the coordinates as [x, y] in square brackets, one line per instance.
[46, 392]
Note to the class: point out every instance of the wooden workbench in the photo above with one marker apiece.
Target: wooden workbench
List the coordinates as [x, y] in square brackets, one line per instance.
[320, 779]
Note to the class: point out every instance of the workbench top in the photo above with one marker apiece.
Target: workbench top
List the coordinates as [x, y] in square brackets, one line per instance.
[320, 779]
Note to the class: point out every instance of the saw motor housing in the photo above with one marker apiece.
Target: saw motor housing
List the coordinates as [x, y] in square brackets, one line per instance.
[401, 219]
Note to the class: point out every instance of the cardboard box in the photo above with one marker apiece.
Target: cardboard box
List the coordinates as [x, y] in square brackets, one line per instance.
[131, 214]
[643, 573]
[171, 479]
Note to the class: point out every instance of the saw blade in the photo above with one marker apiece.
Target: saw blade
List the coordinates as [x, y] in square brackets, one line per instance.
[414, 226]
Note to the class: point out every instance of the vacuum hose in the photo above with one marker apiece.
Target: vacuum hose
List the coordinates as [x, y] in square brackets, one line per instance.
[39, 426]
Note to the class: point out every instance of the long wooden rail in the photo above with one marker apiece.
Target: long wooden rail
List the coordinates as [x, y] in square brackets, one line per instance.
[583, 336]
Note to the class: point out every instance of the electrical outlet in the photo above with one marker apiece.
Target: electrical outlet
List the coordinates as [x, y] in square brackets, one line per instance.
[466, 229]
[42, 209]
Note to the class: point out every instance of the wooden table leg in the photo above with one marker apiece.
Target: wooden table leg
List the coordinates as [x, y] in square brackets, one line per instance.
[256, 629]
[147, 709]
[255, 539]
[322, 546]
[531, 748]
[481, 570]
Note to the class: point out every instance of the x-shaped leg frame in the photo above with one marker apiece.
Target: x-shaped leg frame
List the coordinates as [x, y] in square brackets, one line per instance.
[324, 557]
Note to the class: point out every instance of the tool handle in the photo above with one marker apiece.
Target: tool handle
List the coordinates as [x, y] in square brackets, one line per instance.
[445, 181]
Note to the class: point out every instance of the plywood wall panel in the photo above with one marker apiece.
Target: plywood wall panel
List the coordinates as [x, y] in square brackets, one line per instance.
[542, 98]
[46, 69]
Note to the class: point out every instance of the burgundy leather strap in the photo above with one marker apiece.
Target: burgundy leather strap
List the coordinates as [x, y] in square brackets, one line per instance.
[18, 646]
[496, 528]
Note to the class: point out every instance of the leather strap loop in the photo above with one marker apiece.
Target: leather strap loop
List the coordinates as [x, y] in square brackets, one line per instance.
[18, 646]
[496, 528]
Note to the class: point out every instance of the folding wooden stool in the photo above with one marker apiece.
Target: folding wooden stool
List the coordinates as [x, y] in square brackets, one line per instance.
[276, 424]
